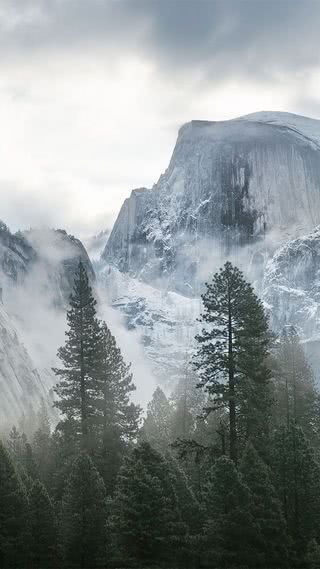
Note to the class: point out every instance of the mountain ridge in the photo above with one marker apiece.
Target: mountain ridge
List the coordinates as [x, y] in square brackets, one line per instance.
[237, 190]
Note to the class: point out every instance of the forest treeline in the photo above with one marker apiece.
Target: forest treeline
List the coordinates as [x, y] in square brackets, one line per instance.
[223, 473]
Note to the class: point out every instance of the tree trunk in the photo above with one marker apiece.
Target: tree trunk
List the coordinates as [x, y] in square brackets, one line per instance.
[232, 402]
[84, 424]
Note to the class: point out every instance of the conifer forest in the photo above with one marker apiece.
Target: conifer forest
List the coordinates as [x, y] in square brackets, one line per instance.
[223, 473]
[160, 284]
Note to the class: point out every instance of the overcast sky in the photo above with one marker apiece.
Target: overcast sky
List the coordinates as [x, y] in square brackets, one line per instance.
[92, 92]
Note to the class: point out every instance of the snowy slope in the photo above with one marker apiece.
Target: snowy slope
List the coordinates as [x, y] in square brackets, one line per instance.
[291, 287]
[95, 244]
[234, 182]
[238, 189]
[305, 126]
[165, 320]
[291, 291]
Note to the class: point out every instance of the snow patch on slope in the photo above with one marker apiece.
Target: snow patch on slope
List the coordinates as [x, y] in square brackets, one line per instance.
[162, 323]
[307, 127]
[292, 286]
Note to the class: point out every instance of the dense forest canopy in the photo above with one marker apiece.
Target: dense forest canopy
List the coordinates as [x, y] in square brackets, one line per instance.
[224, 472]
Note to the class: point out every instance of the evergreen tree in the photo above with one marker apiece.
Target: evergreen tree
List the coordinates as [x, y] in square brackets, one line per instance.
[15, 444]
[266, 510]
[232, 353]
[157, 426]
[188, 403]
[145, 521]
[231, 532]
[297, 398]
[80, 357]
[312, 559]
[83, 517]
[117, 417]
[42, 446]
[22, 455]
[43, 538]
[94, 389]
[297, 481]
[62, 452]
[13, 516]
[189, 512]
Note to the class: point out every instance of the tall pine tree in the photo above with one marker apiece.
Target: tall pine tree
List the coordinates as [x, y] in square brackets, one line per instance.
[232, 353]
[80, 357]
[117, 417]
[297, 398]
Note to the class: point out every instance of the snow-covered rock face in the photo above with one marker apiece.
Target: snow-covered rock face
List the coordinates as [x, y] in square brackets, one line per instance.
[36, 277]
[95, 244]
[164, 320]
[292, 285]
[57, 256]
[238, 189]
[16, 255]
[246, 189]
[48, 256]
[291, 289]
[233, 183]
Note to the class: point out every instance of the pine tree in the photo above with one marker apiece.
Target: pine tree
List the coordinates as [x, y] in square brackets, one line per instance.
[80, 357]
[42, 446]
[188, 403]
[297, 398]
[83, 518]
[145, 521]
[157, 426]
[232, 353]
[297, 481]
[231, 532]
[266, 509]
[43, 537]
[190, 513]
[15, 443]
[117, 418]
[22, 455]
[13, 516]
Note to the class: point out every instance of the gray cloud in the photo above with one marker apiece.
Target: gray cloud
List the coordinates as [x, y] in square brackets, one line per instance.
[259, 38]
[92, 92]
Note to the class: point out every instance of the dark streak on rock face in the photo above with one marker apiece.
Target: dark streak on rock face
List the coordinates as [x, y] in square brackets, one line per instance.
[235, 180]
[232, 182]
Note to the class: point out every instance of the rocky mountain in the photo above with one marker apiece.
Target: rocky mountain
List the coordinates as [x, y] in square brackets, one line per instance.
[291, 290]
[164, 320]
[95, 244]
[238, 189]
[36, 276]
[247, 189]
[50, 254]
[235, 183]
